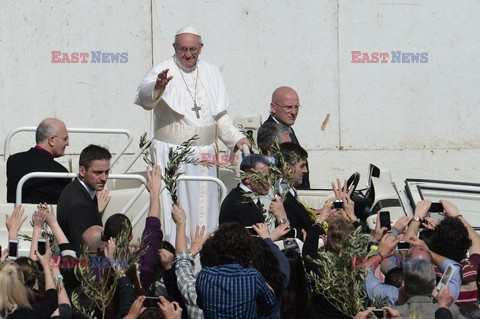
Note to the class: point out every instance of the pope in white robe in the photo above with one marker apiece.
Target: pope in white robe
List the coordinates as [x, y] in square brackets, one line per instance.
[188, 97]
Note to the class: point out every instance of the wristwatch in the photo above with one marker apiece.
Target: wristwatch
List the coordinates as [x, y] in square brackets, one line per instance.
[417, 219]
[284, 220]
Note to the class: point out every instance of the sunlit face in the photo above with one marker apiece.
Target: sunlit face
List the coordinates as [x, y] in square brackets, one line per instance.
[256, 187]
[300, 170]
[285, 106]
[59, 141]
[187, 49]
[96, 175]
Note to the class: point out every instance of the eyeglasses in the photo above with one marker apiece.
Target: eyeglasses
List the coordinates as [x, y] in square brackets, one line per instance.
[288, 108]
[185, 50]
[66, 138]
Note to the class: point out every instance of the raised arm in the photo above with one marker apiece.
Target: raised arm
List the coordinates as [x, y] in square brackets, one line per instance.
[421, 212]
[452, 211]
[14, 222]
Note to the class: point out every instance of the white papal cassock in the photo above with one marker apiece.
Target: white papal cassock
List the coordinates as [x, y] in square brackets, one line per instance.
[175, 122]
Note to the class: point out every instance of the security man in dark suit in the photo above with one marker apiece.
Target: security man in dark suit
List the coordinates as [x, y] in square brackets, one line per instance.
[77, 208]
[247, 210]
[284, 109]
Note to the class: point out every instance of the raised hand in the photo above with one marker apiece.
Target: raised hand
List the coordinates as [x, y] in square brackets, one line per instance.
[103, 198]
[198, 240]
[162, 80]
[154, 179]
[178, 215]
[449, 208]
[422, 208]
[15, 221]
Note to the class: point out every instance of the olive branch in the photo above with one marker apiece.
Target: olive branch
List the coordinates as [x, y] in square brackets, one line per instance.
[100, 288]
[334, 276]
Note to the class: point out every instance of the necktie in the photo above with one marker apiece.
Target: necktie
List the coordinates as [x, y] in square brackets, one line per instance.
[259, 205]
[95, 201]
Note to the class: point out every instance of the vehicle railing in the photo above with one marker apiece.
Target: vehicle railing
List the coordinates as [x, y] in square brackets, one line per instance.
[187, 178]
[139, 216]
[73, 175]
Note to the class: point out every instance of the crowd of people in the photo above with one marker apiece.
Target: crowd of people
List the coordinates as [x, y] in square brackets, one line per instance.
[281, 259]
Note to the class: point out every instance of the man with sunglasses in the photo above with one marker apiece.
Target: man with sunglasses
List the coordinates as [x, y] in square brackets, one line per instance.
[52, 138]
[188, 97]
[284, 109]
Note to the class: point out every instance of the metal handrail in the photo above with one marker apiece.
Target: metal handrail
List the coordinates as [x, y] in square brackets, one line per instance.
[73, 175]
[187, 178]
[74, 130]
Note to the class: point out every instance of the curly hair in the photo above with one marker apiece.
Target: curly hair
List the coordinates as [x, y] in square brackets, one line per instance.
[450, 239]
[230, 243]
[267, 264]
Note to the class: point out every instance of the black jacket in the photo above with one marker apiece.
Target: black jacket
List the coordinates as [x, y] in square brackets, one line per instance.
[235, 208]
[306, 179]
[76, 212]
[38, 189]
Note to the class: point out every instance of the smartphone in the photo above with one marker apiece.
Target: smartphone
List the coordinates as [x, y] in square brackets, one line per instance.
[385, 220]
[12, 249]
[445, 277]
[436, 207]
[403, 246]
[42, 246]
[338, 204]
[379, 313]
[251, 231]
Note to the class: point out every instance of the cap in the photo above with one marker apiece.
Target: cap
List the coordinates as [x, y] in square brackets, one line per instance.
[188, 29]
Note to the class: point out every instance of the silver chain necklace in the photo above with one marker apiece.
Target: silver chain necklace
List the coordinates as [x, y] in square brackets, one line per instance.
[195, 107]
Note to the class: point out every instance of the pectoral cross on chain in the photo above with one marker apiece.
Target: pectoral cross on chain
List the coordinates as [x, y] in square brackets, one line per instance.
[196, 108]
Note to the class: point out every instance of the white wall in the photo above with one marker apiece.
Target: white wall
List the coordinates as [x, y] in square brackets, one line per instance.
[416, 120]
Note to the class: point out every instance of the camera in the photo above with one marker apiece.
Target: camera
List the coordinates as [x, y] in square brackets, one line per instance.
[338, 204]
[380, 313]
[436, 207]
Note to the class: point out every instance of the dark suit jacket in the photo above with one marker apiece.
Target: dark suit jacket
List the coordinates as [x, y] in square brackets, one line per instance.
[297, 215]
[39, 189]
[76, 212]
[235, 209]
[306, 179]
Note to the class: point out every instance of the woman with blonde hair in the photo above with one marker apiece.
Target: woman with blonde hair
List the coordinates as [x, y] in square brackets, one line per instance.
[13, 294]
[12, 290]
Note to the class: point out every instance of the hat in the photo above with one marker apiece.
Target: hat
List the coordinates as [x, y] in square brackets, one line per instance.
[188, 29]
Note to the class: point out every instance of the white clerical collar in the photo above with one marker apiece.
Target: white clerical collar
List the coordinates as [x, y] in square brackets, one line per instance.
[278, 122]
[90, 191]
[181, 67]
